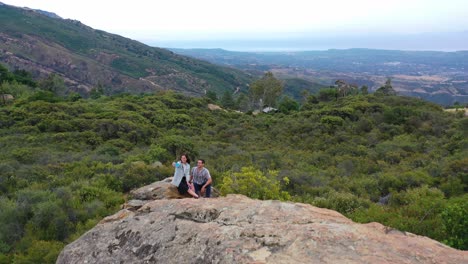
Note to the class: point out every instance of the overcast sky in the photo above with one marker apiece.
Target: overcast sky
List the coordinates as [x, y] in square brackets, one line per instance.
[214, 19]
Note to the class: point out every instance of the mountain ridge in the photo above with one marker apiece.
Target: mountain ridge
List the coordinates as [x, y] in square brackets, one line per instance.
[86, 58]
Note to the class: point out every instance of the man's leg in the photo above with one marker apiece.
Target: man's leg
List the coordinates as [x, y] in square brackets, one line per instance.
[197, 188]
[208, 191]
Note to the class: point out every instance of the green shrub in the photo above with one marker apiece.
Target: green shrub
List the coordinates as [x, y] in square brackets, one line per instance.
[253, 183]
[345, 203]
[24, 155]
[40, 252]
[455, 222]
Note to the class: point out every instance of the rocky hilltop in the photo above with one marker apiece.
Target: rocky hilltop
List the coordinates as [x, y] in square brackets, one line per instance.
[237, 229]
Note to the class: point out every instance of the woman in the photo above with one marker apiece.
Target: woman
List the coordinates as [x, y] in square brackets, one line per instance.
[181, 176]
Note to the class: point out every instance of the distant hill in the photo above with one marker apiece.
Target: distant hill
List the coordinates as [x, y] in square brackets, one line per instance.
[47, 13]
[440, 77]
[42, 43]
[293, 87]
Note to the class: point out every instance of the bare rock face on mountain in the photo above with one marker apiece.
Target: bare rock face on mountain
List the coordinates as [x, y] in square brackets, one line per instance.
[237, 229]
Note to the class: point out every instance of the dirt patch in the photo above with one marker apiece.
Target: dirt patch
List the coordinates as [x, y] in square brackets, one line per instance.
[427, 78]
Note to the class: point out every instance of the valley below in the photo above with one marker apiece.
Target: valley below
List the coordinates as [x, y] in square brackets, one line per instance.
[440, 77]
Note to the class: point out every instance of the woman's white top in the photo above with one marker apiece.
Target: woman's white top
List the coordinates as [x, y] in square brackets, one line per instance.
[181, 170]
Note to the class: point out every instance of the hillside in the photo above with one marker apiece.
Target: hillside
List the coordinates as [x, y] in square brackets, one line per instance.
[440, 77]
[294, 87]
[86, 57]
[67, 162]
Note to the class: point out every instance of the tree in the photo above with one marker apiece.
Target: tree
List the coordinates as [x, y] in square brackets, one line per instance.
[17, 76]
[364, 90]
[49, 221]
[227, 101]
[265, 91]
[212, 96]
[288, 105]
[24, 77]
[11, 228]
[176, 145]
[53, 83]
[5, 74]
[345, 89]
[157, 153]
[304, 95]
[327, 94]
[309, 103]
[5, 91]
[97, 91]
[242, 103]
[387, 89]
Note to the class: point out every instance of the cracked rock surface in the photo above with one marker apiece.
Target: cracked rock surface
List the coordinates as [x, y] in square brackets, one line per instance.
[237, 229]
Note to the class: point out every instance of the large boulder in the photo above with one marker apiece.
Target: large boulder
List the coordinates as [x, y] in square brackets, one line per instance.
[237, 229]
[157, 190]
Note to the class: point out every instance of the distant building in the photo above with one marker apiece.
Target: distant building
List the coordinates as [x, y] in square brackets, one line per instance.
[269, 109]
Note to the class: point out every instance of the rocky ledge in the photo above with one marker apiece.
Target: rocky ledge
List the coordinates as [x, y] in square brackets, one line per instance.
[237, 229]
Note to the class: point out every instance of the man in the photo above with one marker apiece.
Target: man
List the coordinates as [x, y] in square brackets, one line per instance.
[201, 179]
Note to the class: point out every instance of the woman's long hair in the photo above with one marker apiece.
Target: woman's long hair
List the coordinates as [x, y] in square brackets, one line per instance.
[188, 159]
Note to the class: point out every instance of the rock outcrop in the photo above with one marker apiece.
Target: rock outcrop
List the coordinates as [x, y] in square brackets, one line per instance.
[5, 98]
[214, 107]
[237, 229]
[156, 191]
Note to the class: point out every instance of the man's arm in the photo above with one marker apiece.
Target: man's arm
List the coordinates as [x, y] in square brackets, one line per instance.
[208, 182]
[203, 189]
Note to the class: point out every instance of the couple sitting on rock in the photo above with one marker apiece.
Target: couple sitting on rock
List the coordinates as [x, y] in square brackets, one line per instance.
[196, 182]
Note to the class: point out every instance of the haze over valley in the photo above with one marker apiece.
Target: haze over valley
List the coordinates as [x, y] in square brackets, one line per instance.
[440, 77]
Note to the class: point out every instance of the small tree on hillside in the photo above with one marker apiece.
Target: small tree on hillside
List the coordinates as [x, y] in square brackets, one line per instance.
[242, 103]
[212, 95]
[327, 94]
[97, 92]
[304, 95]
[53, 83]
[364, 90]
[227, 101]
[387, 89]
[265, 91]
[5, 74]
[288, 105]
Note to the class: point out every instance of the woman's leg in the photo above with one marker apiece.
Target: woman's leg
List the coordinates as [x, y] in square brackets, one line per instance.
[192, 193]
[184, 188]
